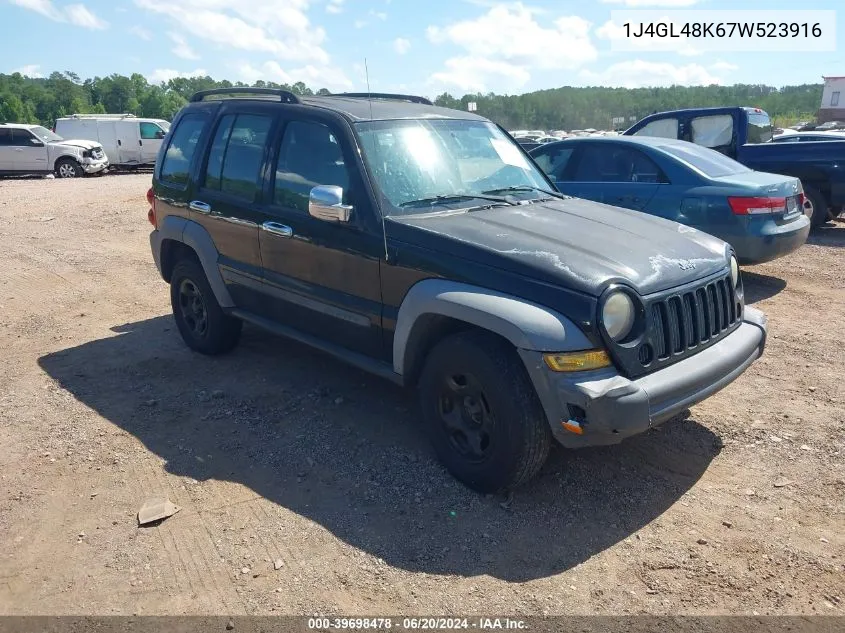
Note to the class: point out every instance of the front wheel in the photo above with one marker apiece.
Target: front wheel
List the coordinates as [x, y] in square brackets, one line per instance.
[68, 168]
[482, 413]
[204, 326]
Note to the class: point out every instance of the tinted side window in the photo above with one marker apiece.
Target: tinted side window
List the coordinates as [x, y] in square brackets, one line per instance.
[214, 167]
[244, 155]
[150, 131]
[5, 137]
[309, 156]
[616, 164]
[176, 165]
[553, 161]
[21, 138]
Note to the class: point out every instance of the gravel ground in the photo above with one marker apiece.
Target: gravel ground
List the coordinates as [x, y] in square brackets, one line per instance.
[306, 486]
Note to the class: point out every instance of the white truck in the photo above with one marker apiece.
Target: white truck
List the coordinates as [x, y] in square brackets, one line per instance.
[128, 141]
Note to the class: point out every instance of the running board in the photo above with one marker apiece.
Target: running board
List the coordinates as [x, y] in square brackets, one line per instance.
[370, 365]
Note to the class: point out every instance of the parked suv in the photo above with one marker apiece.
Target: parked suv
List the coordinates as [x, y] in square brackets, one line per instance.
[33, 149]
[423, 245]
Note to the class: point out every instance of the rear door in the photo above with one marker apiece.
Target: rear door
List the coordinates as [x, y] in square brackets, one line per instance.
[612, 173]
[322, 277]
[7, 162]
[229, 192]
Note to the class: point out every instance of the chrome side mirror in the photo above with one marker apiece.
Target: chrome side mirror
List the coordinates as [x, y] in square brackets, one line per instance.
[326, 203]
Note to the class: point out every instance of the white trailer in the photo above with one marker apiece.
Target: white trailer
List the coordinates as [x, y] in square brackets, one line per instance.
[128, 141]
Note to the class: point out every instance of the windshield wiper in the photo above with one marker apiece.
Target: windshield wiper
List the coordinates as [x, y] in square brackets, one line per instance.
[548, 192]
[458, 197]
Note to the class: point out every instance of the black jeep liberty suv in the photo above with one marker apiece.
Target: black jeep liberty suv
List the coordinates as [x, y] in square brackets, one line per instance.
[424, 245]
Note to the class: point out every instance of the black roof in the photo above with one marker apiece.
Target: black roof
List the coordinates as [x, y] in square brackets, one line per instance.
[355, 107]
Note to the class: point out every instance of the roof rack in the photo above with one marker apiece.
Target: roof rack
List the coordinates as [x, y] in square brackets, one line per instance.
[101, 116]
[383, 95]
[285, 96]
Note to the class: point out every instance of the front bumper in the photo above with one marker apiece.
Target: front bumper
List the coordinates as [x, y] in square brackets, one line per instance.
[615, 407]
[91, 166]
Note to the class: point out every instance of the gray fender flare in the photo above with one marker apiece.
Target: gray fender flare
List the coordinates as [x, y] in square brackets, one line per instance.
[197, 238]
[526, 325]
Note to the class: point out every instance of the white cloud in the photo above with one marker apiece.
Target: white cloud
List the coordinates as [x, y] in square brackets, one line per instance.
[334, 6]
[313, 76]
[30, 70]
[637, 73]
[637, 4]
[401, 45]
[359, 24]
[141, 32]
[160, 75]
[278, 27]
[507, 40]
[380, 15]
[77, 14]
[182, 48]
[476, 74]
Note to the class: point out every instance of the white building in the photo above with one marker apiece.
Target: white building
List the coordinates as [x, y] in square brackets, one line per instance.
[833, 100]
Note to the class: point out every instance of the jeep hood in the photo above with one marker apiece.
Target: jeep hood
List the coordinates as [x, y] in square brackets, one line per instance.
[76, 143]
[576, 243]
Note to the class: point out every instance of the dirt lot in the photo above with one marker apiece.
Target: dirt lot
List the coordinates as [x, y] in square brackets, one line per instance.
[278, 453]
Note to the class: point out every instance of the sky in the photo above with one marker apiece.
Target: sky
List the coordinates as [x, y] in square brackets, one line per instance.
[422, 47]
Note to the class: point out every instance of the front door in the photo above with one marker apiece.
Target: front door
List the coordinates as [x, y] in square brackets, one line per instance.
[321, 277]
[229, 189]
[150, 141]
[29, 152]
[6, 150]
[612, 173]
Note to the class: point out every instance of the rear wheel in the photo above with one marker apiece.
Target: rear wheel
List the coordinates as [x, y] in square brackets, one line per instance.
[68, 168]
[815, 206]
[482, 413]
[202, 323]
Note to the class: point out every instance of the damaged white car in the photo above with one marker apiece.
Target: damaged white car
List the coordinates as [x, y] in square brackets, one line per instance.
[33, 149]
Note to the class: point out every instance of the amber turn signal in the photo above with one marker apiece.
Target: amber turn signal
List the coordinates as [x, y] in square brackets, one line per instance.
[577, 361]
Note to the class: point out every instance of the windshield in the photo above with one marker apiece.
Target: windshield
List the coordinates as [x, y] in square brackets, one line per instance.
[760, 129]
[708, 161]
[44, 134]
[424, 163]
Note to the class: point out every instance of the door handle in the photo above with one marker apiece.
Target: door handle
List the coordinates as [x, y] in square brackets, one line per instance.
[199, 206]
[141, 143]
[119, 143]
[277, 229]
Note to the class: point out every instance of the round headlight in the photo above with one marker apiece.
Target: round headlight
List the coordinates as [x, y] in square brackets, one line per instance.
[734, 271]
[618, 315]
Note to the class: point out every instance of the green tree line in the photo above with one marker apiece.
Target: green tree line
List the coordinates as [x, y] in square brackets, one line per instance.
[44, 99]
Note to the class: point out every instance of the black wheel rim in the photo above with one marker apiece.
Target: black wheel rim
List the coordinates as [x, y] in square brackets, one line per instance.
[466, 416]
[192, 307]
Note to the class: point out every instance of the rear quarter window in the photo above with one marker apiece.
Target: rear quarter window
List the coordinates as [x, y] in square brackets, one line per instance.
[177, 161]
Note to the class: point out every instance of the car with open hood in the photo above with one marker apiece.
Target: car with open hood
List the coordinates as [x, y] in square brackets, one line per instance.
[422, 244]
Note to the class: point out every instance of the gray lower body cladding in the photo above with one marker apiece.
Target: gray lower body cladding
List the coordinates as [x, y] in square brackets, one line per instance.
[612, 407]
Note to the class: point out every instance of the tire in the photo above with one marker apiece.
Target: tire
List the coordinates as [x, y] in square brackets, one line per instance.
[815, 206]
[204, 326]
[482, 413]
[68, 168]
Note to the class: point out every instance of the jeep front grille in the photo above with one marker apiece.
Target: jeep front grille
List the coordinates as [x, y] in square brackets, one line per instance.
[682, 322]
